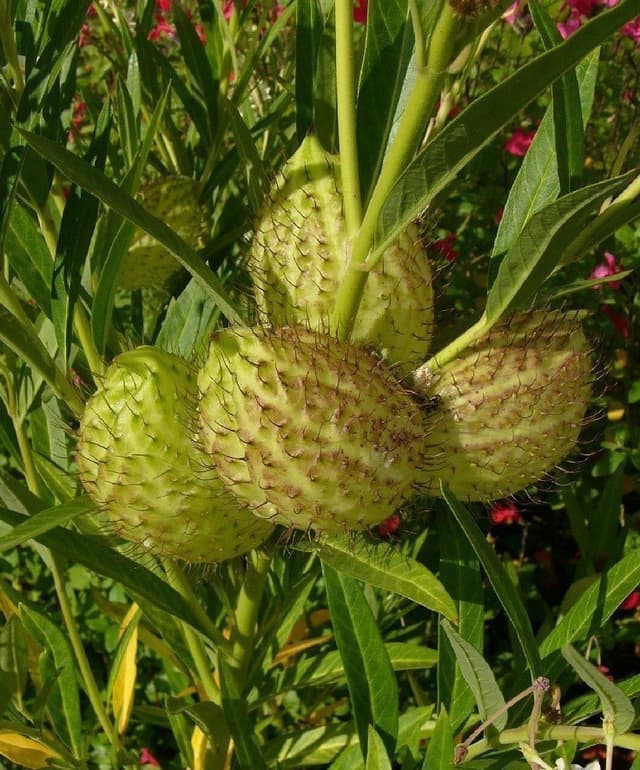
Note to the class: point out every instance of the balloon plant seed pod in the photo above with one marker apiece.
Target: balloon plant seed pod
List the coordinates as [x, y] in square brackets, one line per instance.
[176, 201]
[509, 408]
[309, 432]
[299, 257]
[140, 464]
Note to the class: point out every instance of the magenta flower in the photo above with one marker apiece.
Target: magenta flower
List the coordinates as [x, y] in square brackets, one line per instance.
[360, 11]
[632, 29]
[606, 268]
[390, 525]
[147, 758]
[519, 142]
[569, 26]
[445, 246]
[512, 13]
[505, 512]
[619, 322]
[163, 28]
[632, 602]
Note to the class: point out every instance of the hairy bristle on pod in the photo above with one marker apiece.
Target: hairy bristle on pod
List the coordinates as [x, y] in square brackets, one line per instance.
[311, 433]
[510, 408]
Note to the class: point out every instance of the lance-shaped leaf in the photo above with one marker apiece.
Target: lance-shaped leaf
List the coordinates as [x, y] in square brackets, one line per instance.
[499, 579]
[372, 684]
[44, 521]
[458, 143]
[377, 757]
[95, 182]
[379, 566]
[479, 677]
[542, 243]
[616, 706]
[441, 748]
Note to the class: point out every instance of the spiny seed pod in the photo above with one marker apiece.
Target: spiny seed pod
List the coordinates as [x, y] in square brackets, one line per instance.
[510, 408]
[138, 461]
[300, 253]
[309, 432]
[176, 202]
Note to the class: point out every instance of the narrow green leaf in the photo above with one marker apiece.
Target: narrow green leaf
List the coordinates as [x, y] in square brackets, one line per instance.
[441, 748]
[235, 710]
[500, 581]
[27, 346]
[372, 684]
[189, 320]
[64, 700]
[328, 667]
[380, 566]
[377, 757]
[388, 46]
[567, 112]
[541, 244]
[127, 122]
[579, 709]
[460, 574]
[459, 142]
[537, 182]
[325, 113]
[29, 257]
[106, 191]
[76, 230]
[198, 66]
[103, 559]
[44, 521]
[596, 605]
[616, 707]
[251, 160]
[210, 719]
[479, 676]
[308, 34]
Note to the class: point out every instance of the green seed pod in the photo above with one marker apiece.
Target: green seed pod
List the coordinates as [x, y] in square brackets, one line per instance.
[510, 408]
[307, 431]
[139, 462]
[176, 202]
[300, 253]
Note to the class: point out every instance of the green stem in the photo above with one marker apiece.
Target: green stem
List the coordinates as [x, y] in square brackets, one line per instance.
[411, 128]
[8, 45]
[30, 472]
[346, 103]
[423, 374]
[90, 685]
[582, 735]
[182, 585]
[246, 614]
[82, 326]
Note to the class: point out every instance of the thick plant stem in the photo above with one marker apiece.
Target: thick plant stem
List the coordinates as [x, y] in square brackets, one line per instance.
[423, 374]
[346, 101]
[83, 329]
[246, 613]
[423, 98]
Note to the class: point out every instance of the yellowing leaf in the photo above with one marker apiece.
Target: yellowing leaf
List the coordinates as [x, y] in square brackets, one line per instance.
[199, 744]
[7, 606]
[25, 751]
[616, 412]
[124, 678]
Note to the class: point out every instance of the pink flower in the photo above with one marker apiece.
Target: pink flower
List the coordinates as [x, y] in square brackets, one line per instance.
[606, 671]
[91, 11]
[627, 96]
[163, 6]
[569, 26]
[228, 8]
[608, 267]
[581, 7]
[79, 111]
[505, 512]
[163, 27]
[360, 11]
[147, 758]
[445, 247]
[512, 13]
[519, 142]
[632, 29]
[390, 525]
[632, 602]
[85, 36]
